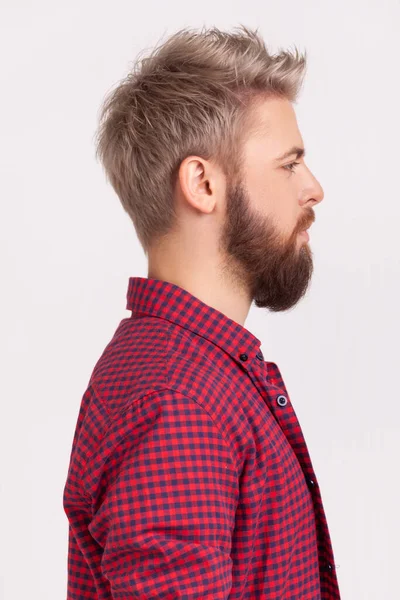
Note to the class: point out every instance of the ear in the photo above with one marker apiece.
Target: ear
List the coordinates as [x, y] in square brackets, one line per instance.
[198, 183]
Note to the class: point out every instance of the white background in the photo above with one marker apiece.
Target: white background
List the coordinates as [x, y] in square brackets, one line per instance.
[68, 249]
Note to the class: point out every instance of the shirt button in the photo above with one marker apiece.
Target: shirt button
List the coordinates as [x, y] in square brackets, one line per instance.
[311, 482]
[243, 356]
[260, 355]
[281, 400]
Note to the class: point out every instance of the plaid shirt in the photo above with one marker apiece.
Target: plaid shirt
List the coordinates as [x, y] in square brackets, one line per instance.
[189, 476]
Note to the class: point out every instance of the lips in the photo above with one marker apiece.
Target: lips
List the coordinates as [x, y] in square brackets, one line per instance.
[304, 233]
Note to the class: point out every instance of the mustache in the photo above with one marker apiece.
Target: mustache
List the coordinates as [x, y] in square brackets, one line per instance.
[306, 224]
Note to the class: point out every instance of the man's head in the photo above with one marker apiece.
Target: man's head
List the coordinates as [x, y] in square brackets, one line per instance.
[191, 141]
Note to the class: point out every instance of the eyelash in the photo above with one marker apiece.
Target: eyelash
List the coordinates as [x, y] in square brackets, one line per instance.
[290, 166]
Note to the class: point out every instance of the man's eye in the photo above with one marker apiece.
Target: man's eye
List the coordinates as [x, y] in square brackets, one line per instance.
[290, 167]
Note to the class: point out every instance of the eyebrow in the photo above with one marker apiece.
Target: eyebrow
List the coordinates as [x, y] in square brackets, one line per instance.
[299, 152]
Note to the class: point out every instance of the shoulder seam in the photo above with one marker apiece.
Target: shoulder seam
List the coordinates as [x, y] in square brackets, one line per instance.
[171, 389]
[98, 396]
[215, 425]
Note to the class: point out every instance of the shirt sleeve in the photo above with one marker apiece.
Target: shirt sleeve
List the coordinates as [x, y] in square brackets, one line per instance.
[167, 513]
[80, 582]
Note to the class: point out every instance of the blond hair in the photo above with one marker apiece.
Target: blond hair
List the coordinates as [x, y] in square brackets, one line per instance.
[192, 95]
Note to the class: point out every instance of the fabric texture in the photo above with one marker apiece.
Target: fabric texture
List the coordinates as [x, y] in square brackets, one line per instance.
[189, 476]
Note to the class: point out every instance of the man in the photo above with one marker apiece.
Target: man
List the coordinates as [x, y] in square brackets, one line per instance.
[189, 474]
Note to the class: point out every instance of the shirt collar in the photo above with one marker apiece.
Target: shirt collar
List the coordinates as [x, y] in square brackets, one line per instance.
[148, 296]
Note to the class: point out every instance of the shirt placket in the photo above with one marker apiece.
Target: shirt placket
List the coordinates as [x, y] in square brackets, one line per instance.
[268, 380]
[278, 401]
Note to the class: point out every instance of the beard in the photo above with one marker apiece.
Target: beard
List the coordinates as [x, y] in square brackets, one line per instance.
[274, 270]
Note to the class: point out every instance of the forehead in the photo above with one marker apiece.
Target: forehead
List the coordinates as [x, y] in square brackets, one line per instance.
[275, 128]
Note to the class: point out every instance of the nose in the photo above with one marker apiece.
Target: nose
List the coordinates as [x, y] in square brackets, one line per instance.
[319, 192]
[314, 192]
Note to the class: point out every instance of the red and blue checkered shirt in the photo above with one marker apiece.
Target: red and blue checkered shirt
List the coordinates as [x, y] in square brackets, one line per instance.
[189, 476]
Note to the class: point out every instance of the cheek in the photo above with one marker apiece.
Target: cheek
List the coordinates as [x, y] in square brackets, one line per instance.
[284, 217]
[274, 198]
